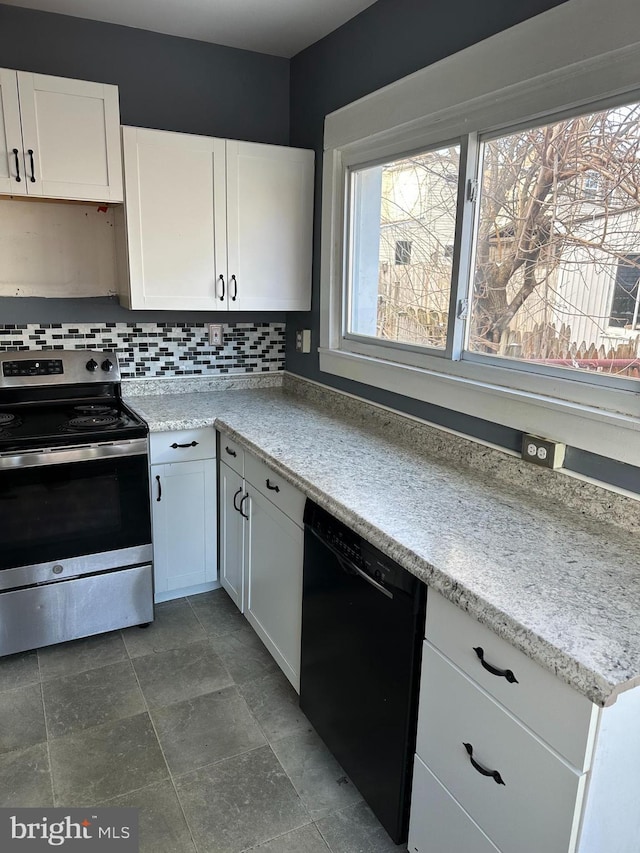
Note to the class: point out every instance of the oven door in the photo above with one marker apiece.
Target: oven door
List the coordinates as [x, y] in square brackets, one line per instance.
[69, 512]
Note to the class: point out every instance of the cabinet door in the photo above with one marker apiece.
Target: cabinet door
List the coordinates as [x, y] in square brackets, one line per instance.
[270, 217]
[184, 525]
[72, 128]
[177, 246]
[11, 163]
[231, 534]
[273, 582]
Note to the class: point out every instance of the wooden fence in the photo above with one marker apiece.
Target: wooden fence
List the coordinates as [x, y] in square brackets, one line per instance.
[546, 343]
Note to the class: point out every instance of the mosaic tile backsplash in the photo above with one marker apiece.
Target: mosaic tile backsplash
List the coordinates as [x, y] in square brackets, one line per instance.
[147, 350]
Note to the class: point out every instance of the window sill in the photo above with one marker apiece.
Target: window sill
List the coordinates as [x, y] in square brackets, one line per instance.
[610, 434]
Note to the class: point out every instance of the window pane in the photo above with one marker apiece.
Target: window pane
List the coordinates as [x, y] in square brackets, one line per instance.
[400, 260]
[558, 245]
[625, 292]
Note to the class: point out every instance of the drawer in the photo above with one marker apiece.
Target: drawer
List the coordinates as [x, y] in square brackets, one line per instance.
[81, 607]
[182, 445]
[232, 454]
[538, 806]
[281, 493]
[438, 823]
[560, 716]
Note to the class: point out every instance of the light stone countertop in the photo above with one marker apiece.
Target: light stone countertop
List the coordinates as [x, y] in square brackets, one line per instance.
[561, 587]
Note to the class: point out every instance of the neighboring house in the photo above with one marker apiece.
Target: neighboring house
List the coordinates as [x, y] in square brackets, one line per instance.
[590, 296]
[588, 299]
[417, 231]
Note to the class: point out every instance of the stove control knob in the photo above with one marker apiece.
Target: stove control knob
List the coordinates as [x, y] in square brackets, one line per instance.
[107, 365]
[92, 365]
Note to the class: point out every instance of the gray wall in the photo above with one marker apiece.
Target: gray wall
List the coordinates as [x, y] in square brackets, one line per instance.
[164, 82]
[383, 43]
[387, 41]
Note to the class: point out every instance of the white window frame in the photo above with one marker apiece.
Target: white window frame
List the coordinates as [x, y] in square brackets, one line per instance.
[483, 89]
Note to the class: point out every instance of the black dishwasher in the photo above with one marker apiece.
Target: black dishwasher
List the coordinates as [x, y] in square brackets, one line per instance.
[362, 630]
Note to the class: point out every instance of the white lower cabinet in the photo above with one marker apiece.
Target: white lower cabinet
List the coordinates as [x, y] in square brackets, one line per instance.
[569, 773]
[183, 503]
[231, 534]
[273, 563]
[440, 825]
[535, 802]
[261, 552]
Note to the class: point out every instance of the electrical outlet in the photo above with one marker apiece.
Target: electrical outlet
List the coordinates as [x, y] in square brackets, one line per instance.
[215, 335]
[303, 340]
[543, 451]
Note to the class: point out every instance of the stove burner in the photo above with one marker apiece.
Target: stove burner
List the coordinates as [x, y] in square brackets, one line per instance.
[6, 418]
[94, 422]
[95, 409]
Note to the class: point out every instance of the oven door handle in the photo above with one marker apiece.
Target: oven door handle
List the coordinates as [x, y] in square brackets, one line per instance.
[159, 498]
[65, 455]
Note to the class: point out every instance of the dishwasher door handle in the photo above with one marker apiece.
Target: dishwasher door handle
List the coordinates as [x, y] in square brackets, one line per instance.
[350, 566]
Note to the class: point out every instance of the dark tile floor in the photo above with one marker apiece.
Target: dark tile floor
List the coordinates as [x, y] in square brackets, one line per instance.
[190, 721]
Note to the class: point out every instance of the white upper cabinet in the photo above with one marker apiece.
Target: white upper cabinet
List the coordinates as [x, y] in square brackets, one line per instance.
[60, 137]
[11, 160]
[216, 225]
[175, 243]
[269, 226]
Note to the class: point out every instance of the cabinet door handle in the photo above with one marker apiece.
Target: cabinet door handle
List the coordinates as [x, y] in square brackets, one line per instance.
[221, 278]
[235, 288]
[242, 500]
[33, 170]
[493, 774]
[230, 451]
[272, 488]
[237, 508]
[191, 444]
[502, 673]
[15, 154]
[159, 498]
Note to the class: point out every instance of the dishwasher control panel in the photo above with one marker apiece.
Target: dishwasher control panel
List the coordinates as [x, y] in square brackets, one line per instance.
[355, 550]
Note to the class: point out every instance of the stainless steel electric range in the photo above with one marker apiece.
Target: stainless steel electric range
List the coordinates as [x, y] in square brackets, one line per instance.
[75, 526]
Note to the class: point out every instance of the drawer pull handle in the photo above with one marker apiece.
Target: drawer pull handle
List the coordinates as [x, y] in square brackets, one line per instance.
[159, 498]
[493, 774]
[272, 488]
[503, 673]
[191, 444]
[242, 500]
[231, 452]
[235, 506]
